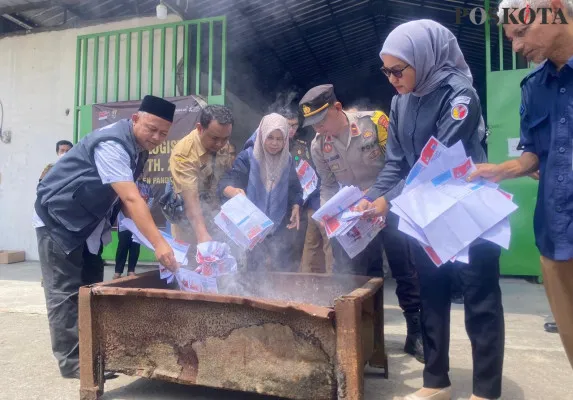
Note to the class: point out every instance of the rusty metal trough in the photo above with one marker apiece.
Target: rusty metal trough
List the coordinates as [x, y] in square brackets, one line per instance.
[310, 340]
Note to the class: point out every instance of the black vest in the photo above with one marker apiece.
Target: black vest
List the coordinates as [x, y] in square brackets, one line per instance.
[71, 199]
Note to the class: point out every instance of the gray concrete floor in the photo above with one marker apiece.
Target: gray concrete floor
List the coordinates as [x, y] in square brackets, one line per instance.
[535, 364]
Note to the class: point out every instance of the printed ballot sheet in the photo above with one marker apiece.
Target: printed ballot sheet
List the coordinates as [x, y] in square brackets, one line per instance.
[308, 179]
[243, 222]
[446, 213]
[180, 249]
[342, 221]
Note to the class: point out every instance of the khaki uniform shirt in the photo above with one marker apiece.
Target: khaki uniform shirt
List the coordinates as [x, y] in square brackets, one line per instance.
[354, 158]
[195, 169]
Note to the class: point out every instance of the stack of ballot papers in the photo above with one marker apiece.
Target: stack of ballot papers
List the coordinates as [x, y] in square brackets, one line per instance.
[214, 259]
[307, 177]
[341, 220]
[243, 222]
[446, 213]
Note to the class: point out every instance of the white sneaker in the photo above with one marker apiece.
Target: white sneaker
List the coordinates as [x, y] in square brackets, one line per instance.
[425, 394]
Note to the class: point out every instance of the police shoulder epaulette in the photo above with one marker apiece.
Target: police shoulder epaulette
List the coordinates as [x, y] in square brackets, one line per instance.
[533, 72]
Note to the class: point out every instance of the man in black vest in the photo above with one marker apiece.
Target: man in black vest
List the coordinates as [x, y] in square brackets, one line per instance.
[76, 202]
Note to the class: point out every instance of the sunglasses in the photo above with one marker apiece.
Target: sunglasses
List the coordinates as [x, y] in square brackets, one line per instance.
[396, 72]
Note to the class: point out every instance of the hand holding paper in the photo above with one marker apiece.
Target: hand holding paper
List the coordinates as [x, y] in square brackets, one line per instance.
[446, 213]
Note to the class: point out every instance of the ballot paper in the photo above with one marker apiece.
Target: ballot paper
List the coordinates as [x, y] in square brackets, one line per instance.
[446, 213]
[215, 259]
[357, 238]
[307, 177]
[243, 222]
[194, 282]
[331, 213]
[342, 221]
[180, 249]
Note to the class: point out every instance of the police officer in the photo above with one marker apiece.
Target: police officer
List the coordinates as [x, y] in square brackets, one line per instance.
[75, 202]
[349, 149]
[313, 243]
[424, 63]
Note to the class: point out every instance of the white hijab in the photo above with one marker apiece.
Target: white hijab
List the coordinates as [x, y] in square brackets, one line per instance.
[271, 166]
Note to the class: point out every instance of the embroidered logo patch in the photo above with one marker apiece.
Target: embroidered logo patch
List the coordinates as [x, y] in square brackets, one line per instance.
[368, 134]
[384, 121]
[327, 148]
[459, 112]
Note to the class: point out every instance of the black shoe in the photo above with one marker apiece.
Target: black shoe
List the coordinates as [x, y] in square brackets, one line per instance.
[76, 375]
[550, 327]
[414, 344]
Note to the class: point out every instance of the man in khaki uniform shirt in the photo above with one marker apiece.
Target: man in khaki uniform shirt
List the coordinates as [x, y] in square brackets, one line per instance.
[197, 163]
[349, 149]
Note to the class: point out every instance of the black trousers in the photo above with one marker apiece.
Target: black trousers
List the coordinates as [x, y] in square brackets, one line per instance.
[483, 317]
[63, 275]
[126, 246]
[369, 263]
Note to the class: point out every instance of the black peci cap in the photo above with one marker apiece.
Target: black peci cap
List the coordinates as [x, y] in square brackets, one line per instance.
[315, 102]
[159, 107]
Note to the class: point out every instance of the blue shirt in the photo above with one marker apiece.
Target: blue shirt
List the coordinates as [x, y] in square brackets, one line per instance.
[547, 131]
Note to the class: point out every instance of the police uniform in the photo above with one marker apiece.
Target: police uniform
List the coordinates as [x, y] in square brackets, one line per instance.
[194, 168]
[355, 157]
[452, 112]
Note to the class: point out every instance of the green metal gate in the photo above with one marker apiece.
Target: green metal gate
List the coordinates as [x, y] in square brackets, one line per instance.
[505, 70]
[167, 60]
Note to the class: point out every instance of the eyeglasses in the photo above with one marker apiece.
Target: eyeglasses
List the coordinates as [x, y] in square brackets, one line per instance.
[396, 72]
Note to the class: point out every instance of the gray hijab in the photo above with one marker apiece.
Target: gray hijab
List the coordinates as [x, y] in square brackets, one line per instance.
[431, 49]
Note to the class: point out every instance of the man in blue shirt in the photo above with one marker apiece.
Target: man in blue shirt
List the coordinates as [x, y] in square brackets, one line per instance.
[547, 142]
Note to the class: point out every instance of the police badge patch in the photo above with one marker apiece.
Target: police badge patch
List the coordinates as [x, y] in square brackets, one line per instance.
[459, 112]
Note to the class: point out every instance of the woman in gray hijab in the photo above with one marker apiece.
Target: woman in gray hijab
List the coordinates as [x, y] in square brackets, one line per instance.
[423, 61]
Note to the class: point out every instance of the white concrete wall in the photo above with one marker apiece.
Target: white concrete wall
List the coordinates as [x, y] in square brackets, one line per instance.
[37, 81]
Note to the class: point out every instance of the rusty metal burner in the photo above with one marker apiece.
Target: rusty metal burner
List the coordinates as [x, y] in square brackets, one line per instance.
[296, 336]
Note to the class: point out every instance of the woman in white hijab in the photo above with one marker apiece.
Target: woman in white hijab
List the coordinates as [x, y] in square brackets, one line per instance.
[266, 173]
[423, 61]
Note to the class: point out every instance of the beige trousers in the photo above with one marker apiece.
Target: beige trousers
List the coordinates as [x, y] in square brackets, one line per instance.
[558, 281]
[317, 254]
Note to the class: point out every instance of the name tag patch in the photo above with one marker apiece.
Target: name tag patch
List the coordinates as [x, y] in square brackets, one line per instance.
[375, 154]
[461, 100]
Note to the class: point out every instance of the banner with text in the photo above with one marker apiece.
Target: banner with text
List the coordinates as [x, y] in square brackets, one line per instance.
[156, 172]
